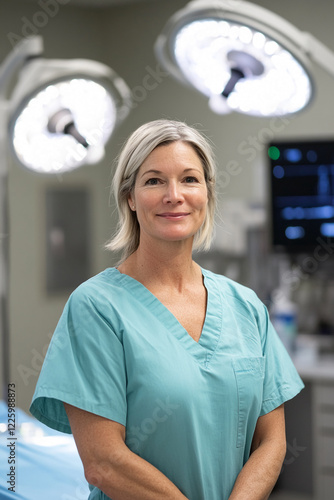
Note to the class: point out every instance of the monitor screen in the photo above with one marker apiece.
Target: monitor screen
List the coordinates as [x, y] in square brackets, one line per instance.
[302, 193]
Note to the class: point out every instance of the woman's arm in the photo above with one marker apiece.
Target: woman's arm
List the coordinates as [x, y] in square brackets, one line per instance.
[260, 473]
[111, 466]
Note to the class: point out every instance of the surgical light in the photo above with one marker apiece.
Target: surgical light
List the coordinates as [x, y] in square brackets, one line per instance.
[242, 57]
[63, 113]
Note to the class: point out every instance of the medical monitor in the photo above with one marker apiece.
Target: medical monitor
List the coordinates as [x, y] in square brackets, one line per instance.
[302, 194]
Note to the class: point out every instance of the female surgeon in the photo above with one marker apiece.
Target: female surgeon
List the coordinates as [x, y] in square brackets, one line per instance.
[171, 378]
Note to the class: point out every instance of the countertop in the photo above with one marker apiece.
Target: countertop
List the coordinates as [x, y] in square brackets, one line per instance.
[314, 358]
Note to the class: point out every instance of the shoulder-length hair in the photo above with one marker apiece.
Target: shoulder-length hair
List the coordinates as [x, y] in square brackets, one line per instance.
[134, 152]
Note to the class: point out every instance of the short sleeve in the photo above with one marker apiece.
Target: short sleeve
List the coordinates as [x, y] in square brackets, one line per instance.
[84, 365]
[281, 380]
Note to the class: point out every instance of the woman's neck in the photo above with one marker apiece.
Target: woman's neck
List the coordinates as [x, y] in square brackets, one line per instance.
[170, 264]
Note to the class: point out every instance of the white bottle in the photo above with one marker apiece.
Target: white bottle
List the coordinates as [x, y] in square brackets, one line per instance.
[283, 313]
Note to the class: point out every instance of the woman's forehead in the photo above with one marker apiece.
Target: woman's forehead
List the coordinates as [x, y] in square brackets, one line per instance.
[177, 154]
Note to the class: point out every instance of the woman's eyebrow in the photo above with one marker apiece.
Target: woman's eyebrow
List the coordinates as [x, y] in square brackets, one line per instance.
[153, 171]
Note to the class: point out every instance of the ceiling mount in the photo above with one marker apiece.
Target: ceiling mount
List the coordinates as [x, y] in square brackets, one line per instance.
[243, 65]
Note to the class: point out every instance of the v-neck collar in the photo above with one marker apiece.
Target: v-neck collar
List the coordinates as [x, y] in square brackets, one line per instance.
[202, 350]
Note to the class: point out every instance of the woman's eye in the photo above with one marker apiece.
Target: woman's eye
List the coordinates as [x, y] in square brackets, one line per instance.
[191, 179]
[152, 182]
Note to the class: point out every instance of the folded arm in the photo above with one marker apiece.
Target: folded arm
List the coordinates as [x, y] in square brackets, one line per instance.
[260, 473]
[111, 466]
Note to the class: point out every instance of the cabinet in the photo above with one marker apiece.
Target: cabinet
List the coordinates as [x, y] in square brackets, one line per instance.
[318, 376]
[323, 440]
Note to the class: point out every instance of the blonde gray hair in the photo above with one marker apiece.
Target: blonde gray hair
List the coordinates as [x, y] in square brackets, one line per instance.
[134, 152]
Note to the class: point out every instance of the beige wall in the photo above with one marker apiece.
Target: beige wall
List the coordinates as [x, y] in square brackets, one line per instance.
[123, 38]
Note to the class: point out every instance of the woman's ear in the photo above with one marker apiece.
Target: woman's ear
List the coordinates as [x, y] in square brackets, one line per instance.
[131, 202]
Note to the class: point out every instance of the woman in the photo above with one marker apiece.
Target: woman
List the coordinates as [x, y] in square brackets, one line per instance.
[170, 377]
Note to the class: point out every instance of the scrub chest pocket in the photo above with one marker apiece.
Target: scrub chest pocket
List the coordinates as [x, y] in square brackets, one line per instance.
[249, 375]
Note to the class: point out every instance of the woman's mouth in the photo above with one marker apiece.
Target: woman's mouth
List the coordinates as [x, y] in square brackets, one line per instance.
[173, 215]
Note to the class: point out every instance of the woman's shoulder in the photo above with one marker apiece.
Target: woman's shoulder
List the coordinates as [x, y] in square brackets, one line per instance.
[97, 287]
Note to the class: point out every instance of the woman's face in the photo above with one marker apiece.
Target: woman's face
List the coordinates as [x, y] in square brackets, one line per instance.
[170, 195]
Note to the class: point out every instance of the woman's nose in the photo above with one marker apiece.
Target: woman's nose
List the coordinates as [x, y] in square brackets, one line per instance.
[173, 193]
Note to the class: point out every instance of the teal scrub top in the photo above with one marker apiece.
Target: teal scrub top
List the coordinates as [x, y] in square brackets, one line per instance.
[190, 408]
